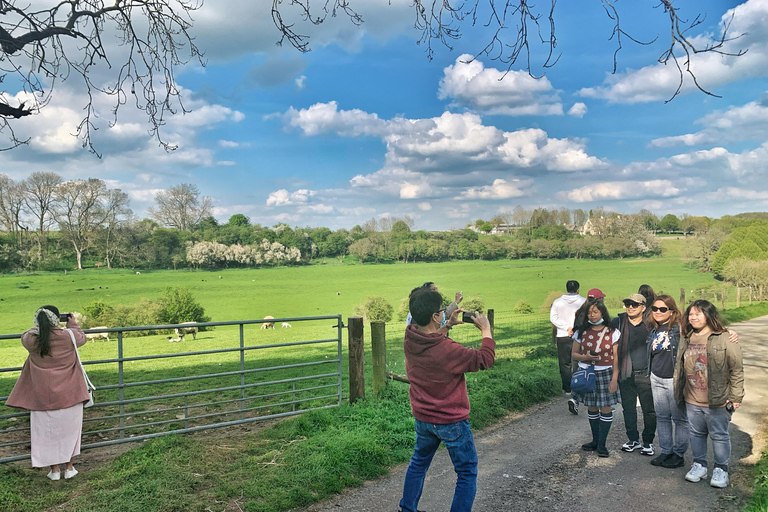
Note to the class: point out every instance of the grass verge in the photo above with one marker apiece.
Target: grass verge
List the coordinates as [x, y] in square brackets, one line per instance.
[292, 464]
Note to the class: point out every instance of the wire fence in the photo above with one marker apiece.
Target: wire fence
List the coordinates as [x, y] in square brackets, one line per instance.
[147, 392]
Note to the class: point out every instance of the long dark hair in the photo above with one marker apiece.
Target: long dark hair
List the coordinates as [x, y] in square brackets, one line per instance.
[676, 318]
[44, 331]
[710, 313]
[646, 291]
[581, 323]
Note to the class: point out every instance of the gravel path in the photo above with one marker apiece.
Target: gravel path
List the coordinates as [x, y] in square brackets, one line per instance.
[532, 461]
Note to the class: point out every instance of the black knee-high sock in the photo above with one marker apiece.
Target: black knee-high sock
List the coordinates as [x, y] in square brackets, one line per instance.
[605, 427]
[594, 424]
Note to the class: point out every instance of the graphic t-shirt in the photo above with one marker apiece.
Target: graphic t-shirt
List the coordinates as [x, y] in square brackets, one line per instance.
[696, 391]
[662, 363]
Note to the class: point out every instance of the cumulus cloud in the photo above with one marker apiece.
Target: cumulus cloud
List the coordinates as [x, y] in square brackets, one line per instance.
[499, 189]
[450, 144]
[659, 81]
[622, 190]
[282, 197]
[425, 206]
[468, 82]
[749, 121]
[577, 110]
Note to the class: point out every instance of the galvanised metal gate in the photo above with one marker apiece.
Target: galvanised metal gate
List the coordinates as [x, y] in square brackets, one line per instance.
[273, 372]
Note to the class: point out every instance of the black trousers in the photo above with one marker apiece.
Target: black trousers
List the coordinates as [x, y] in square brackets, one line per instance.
[638, 386]
[564, 347]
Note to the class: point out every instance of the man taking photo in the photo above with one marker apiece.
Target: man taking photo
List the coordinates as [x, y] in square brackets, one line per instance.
[435, 365]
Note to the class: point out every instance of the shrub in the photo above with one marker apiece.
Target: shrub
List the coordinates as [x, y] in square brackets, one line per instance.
[523, 308]
[546, 306]
[98, 313]
[375, 309]
[178, 305]
[473, 304]
[404, 309]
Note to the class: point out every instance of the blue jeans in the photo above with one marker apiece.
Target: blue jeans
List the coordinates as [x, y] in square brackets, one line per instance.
[714, 422]
[457, 438]
[667, 412]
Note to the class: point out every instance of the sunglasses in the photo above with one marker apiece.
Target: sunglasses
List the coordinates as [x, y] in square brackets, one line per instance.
[632, 304]
[660, 310]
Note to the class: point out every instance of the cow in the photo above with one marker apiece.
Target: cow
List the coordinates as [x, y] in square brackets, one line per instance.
[268, 325]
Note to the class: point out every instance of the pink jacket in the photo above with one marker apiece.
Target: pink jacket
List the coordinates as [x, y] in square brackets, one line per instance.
[52, 382]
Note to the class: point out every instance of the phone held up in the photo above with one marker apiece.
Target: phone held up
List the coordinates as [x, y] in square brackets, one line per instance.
[468, 318]
[64, 317]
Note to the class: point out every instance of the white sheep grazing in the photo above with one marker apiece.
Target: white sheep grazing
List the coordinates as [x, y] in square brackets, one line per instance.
[268, 325]
[93, 336]
[286, 325]
[181, 331]
[180, 337]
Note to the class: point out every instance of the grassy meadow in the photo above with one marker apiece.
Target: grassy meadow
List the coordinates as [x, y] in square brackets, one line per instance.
[307, 458]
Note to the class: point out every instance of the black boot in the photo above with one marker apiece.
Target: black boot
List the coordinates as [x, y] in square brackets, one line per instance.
[605, 427]
[594, 424]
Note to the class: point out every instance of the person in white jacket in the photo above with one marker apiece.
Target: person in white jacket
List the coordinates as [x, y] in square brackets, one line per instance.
[562, 315]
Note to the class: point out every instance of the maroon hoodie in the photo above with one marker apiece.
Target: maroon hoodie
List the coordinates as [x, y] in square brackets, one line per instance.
[436, 365]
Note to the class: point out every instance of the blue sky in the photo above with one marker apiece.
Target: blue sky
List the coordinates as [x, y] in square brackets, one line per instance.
[365, 126]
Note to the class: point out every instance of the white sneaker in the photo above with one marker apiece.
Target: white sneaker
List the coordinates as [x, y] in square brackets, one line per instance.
[647, 450]
[719, 478]
[696, 473]
[631, 446]
[54, 475]
[69, 473]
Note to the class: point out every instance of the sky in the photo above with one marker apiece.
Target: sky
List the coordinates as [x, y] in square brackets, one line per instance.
[367, 126]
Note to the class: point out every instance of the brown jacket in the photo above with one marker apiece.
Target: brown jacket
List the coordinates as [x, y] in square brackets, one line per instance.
[725, 373]
[52, 382]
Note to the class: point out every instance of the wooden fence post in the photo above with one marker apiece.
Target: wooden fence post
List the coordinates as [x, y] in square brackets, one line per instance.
[356, 358]
[682, 299]
[379, 356]
[490, 320]
[738, 296]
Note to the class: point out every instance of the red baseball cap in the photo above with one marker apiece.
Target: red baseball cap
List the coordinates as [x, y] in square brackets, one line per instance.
[595, 293]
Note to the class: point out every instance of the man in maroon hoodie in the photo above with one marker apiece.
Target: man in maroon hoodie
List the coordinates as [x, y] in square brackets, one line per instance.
[436, 365]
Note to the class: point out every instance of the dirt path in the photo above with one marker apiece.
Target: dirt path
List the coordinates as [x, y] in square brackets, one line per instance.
[533, 461]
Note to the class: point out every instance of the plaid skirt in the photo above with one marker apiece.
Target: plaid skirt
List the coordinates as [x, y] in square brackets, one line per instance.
[600, 397]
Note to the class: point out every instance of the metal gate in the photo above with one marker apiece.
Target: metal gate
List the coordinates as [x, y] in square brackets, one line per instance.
[273, 372]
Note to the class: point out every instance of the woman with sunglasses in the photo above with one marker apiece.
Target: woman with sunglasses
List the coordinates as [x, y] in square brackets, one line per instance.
[709, 379]
[596, 343]
[661, 349]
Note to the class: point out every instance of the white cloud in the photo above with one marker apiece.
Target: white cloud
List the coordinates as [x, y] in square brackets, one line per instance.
[425, 206]
[228, 144]
[577, 110]
[468, 82]
[315, 208]
[301, 82]
[282, 197]
[499, 189]
[659, 81]
[746, 122]
[622, 190]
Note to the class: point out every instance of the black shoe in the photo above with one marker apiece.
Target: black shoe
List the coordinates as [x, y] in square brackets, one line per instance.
[658, 461]
[673, 461]
[589, 447]
[573, 406]
[602, 451]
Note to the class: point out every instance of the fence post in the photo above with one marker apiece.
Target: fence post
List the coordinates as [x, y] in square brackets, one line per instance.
[490, 320]
[682, 299]
[738, 296]
[356, 358]
[379, 356]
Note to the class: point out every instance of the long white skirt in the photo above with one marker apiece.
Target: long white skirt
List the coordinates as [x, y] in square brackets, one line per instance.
[55, 435]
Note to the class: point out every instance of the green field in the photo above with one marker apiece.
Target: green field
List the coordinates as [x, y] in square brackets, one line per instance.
[335, 289]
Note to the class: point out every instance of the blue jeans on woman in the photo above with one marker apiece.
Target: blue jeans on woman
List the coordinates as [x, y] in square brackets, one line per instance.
[714, 422]
[457, 438]
[667, 412]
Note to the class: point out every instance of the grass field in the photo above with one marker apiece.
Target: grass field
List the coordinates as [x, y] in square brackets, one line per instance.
[307, 458]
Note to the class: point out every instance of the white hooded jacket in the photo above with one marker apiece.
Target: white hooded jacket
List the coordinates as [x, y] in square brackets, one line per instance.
[563, 312]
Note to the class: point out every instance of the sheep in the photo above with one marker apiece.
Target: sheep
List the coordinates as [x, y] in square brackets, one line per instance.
[179, 337]
[268, 325]
[93, 336]
[181, 331]
[286, 325]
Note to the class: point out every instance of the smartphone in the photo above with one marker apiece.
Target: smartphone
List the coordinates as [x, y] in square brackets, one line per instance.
[468, 317]
[729, 406]
[63, 317]
[592, 353]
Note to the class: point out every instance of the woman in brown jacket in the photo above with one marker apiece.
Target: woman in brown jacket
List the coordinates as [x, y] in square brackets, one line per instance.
[51, 386]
